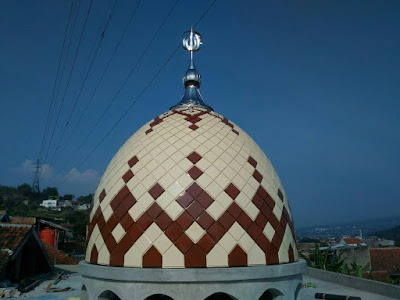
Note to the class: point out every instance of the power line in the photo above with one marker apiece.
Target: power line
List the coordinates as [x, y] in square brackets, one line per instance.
[137, 98]
[129, 76]
[72, 69]
[46, 128]
[108, 63]
[59, 83]
[84, 81]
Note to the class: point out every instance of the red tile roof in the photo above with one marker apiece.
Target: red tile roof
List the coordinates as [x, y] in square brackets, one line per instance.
[352, 241]
[11, 237]
[57, 257]
[23, 220]
[385, 259]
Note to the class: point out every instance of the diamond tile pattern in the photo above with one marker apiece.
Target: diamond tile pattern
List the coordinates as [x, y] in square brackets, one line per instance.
[190, 189]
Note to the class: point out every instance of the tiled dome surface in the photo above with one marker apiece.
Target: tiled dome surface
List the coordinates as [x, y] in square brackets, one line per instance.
[190, 189]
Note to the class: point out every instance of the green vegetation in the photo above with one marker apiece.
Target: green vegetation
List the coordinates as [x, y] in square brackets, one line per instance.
[390, 234]
[22, 201]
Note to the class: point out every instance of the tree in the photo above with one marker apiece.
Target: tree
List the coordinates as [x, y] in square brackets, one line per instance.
[50, 192]
[24, 190]
[68, 197]
[85, 199]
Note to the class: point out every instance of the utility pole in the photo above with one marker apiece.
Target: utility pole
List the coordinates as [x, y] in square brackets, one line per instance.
[35, 184]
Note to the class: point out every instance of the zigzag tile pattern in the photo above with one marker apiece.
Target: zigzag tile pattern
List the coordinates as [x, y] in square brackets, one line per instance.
[190, 189]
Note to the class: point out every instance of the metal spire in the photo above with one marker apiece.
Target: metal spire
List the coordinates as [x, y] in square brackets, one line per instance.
[191, 81]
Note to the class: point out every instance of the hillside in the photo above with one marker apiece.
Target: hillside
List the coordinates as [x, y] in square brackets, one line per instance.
[390, 234]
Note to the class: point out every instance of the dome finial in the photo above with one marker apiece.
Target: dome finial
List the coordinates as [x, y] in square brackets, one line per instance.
[191, 81]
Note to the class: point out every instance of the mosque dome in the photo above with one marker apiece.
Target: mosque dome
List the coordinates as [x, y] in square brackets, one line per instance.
[190, 189]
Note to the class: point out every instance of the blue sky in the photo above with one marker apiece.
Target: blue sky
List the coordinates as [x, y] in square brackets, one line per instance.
[315, 83]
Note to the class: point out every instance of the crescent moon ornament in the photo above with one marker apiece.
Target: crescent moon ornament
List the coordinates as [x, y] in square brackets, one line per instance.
[191, 41]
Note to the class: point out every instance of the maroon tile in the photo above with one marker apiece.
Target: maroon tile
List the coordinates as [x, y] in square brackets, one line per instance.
[105, 232]
[263, 242]
[148, 131]
[154, 211]
[163, 221]
[120, 211]
[126, 222]
[112, 222]
[205, 199]
[195, 190]
[195, 258]
[235, 131]
[257, 176]
[185, 220]
[195, 209]
[206, 243]
[261, 220]
[184, 243]
[258, 201]
[244, 220]
[226, 220]
[156, 191]
[152, 258]
[144, 221]
[286, 215]
[110, 243]
[123, 192]
[127, 176]
[102, 195]
[276, 241]
[173, 232]
[280, 194]
[205, 220]
[216, 231]
[266, 210]
[185, 199]
[133, 161]
[280, 231]
[235, 210]
[262, 192]
[232, 191]
[237, 257]
[129, 201]
[135, 232]
[195, 172]
[193, 127]
[272, 255]
[274, 221]
[270, 202]
[101, 222]
[124, 244]
[254, 231]
[115, 202]
[252, 161]
[194, 157]
[117, 258]
[94, 254]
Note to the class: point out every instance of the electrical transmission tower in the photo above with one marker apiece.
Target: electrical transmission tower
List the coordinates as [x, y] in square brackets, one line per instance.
[35, 184]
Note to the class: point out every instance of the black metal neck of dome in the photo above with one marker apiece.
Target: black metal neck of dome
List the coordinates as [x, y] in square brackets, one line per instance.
[192, 79]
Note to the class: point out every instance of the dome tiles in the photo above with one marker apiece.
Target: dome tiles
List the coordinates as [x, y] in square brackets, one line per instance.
[190, 189]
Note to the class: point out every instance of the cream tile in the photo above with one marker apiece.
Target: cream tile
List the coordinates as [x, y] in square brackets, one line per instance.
[239, 182]
[165, 199]
[195, 232]
[138, 190]
[149, 181]
[252, 211]
[146, 200]
[217, 150]
[203, 164]
[136, 211]
[246, 242]
[226, 158]
[133, 258]
[269, 231]
[227, 242]
[229, 173]
[222, 181]
[187, 150]
[256, 256]
[162, 243]
[170, 150]
[104, 256]
[185, 180]
[168, 164]
[176, 172]
[210, 156]
[159, 172]
[249, 191]
[213, 189]
[161, 157]
[107, 212]
[118, 232]
[204, 180]
[215, 210]
[153, 232]
[175, 189]
[283, 254]
[242, 200]
[224, 200]
[212, 172]
[143, 244]
[173, 258]
[236, 231]
[178, 156]
[185, 164]
[174, 210]
[220, 164]
[277, 211]
[217, 257]
[166, 180]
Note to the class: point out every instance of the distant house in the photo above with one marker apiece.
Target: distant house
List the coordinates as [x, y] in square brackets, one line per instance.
[21, 252]
[85, 206]
[49, 203]
[351, 242]
[386, 243]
